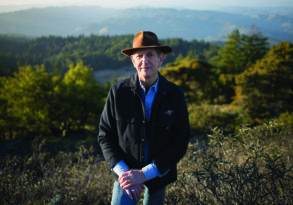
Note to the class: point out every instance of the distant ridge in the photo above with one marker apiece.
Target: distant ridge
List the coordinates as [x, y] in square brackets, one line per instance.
[168, 23]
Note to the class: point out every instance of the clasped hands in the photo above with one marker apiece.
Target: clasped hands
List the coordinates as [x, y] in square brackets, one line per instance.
[132, 182]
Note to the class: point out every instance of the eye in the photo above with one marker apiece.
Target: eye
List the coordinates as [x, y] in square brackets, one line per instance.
[150, 54]
[139, 56]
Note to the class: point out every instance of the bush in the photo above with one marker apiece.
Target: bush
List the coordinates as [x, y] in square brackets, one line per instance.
[194, 77]
[266, 87]
[248, 167]
[25, 100]
[243, 169]
[285, 118]
[67, 178]
[204, 117]
[35, 102]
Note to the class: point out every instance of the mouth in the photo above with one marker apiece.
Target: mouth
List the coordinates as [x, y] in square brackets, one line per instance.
[145, 68]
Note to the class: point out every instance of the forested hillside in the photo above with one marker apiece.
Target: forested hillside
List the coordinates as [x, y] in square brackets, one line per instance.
[97, 52]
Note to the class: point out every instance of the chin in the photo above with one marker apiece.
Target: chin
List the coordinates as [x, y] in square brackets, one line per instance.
[145, 77]
[145, 74]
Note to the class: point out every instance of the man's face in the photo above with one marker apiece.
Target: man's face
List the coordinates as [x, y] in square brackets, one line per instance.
[147, 63]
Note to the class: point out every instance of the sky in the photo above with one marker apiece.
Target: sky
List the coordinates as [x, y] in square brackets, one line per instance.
[192, 4]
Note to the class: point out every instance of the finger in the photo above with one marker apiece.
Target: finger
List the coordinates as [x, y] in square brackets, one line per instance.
[123, 185]
[136, 193]
[125, 174]
[126, 185]
[133, 193]
[140, 188]
[122, 178]
[128, 192]
[131, 182]
[125, 178]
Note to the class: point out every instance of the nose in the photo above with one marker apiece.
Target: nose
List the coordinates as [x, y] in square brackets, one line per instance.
[144, 60]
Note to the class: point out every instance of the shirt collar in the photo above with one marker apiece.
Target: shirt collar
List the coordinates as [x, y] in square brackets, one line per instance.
[153, 87]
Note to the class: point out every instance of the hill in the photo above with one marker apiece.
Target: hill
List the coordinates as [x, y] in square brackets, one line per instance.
[168, 23]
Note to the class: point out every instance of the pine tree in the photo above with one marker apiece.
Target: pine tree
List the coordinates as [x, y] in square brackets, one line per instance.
[267, 86]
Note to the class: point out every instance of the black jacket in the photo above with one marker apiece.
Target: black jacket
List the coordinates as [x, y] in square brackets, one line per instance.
[123, 128]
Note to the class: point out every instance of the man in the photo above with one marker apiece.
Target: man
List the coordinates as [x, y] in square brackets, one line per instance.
[144, 127]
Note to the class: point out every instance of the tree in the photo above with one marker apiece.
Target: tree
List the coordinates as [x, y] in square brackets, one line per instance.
[230, 56]
[97, 52]
[241, 51]
[238, 53]
[35, 102]
[254, 47]
[195, 77]
[25, 98]
[79, 98]
[267, 86]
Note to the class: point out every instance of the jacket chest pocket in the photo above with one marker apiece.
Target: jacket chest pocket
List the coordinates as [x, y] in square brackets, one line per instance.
[164, 130]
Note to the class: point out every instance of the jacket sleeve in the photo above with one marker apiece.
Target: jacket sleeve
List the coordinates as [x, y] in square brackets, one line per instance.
[175, 150]
[107, 137]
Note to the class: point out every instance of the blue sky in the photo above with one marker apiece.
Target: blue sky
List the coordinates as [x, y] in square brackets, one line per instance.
[192, 4]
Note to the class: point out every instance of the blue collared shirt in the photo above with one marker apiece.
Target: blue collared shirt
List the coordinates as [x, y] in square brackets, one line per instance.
[149, 97]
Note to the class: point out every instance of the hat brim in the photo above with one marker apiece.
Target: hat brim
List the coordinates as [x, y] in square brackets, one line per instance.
[130, 51]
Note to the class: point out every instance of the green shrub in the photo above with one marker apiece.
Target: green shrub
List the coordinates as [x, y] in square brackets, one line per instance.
[253, 166]
[35, 102]
[67, 178]
[266, 87]
[205, 117]
[285, 118]
[239, 169]
[195, 77]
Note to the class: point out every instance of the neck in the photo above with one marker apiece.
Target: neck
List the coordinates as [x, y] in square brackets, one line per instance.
[148, 82]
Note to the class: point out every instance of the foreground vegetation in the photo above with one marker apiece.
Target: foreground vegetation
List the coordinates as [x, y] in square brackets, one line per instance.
[246, 168]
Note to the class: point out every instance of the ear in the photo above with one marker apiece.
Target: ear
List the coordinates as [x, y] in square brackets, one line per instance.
[131, 58]
[162, 58]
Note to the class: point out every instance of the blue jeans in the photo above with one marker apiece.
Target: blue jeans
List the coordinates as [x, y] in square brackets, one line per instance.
[119, 197]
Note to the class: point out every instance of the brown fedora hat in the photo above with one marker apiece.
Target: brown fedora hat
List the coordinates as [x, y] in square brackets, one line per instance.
[143, 40]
